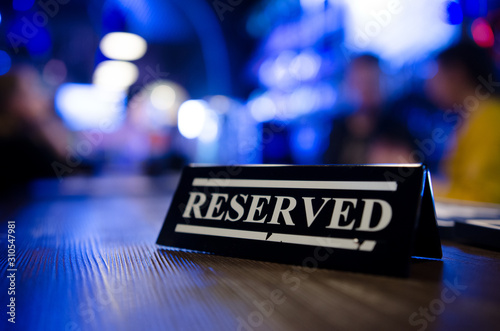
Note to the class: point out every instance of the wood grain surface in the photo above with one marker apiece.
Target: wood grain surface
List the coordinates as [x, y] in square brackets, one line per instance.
[87, 260]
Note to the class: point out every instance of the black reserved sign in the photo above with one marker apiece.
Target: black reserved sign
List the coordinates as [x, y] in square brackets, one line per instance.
[358, 218]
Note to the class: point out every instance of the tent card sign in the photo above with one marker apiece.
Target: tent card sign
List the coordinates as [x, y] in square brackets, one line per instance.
[364, 218]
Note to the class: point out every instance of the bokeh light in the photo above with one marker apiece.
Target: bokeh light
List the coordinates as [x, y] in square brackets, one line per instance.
[191, 118]
[220, 103]
[22, 5]
[262, 108]
[117, 75]
[86, 106]
[303, 100]
[210, 128]
[306, 138]
[398, 32]
[277, 72]
[475, 8]
[454, 13]
[161, 101]
[305, 65]
[163, 97]
[54, 72]
[40, 43]
[482, 33]
[5, 62]
[312, 5]
[123, 46]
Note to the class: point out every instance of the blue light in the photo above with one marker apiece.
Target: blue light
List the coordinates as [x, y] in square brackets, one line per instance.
[258, 24]
[454, 13]
[113, 19]
[306, 139]
[305, 65]
[277, 72]
[24, 33]
[475, 8]
[86, 106]
[262, 108]
[155, 20]
[40, 43]
[312, 5]
[22, 5]
[5, 62]
[309, 140]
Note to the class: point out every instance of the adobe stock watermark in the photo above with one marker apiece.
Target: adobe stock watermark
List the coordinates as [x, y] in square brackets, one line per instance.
[264, 309]
[425, 315]
[31, 24]
[457, 116]
[84, 148]
[221, 176]
[223, 6]
[93, 138]
[470, 104]
[380, 20]
[88, 310]
[293, 279]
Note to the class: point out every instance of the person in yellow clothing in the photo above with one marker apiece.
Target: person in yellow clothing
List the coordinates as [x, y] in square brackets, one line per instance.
[465, 84]
[474, 167]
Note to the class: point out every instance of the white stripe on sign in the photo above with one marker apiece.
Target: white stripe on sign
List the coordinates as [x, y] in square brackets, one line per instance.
[342, 243]
[300, 184]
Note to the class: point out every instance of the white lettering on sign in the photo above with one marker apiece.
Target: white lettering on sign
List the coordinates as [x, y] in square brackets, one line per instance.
[278, 210]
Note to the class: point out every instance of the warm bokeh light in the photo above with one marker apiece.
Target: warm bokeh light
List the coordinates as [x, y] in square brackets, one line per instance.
[160, 102]
[123, 46]
[163, 97]
[117, 75]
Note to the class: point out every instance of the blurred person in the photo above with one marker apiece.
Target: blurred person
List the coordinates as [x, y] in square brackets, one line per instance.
[367, 134]
[391, 144]
[31, 135]
[465, 85]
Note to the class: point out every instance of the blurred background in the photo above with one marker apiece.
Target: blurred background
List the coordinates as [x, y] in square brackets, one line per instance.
[143, 87]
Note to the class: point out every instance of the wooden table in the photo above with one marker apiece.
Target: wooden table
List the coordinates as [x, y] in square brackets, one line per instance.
[87, 260]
